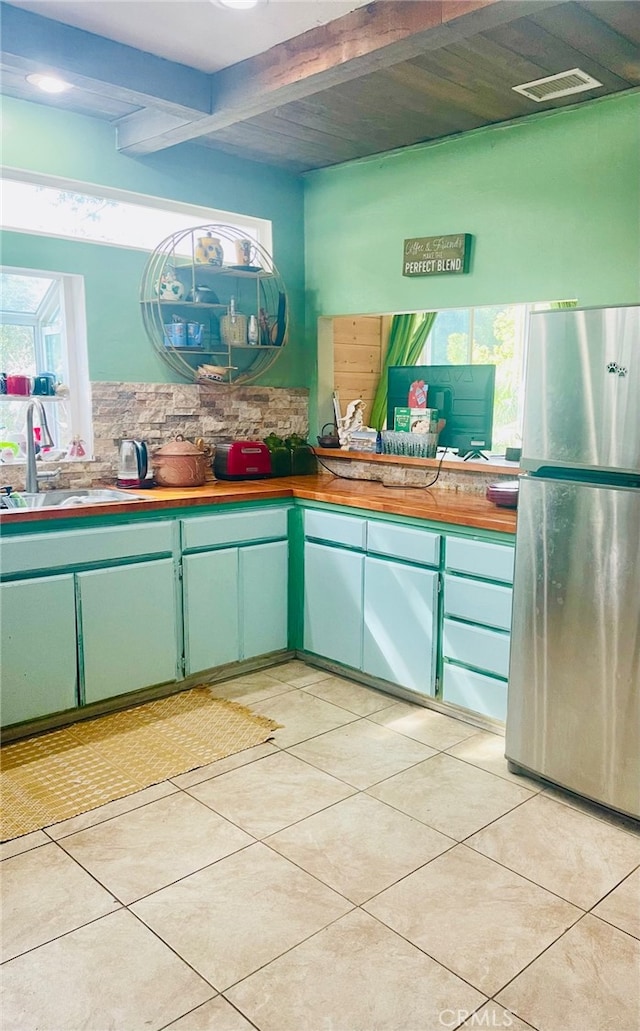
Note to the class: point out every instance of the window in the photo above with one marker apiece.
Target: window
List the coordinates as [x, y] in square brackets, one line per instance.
[496, 335]
[54, 207]
[43, 330]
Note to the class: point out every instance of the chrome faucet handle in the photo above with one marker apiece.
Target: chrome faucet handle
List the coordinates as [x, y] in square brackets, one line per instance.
[49, 475]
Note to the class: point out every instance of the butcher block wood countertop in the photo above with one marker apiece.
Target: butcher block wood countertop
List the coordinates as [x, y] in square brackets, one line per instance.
[447, 506]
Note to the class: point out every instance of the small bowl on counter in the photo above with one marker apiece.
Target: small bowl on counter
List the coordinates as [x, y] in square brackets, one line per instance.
[180, 464]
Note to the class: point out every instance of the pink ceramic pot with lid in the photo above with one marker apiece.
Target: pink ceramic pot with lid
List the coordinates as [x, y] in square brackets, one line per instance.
[180, 464]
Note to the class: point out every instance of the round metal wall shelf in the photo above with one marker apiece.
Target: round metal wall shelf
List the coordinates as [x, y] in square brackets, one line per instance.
[180, 286]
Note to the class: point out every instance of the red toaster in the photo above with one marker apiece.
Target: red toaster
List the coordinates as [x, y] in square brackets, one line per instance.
[242, 460]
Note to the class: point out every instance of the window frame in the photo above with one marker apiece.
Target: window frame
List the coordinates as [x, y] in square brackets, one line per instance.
[69, 295]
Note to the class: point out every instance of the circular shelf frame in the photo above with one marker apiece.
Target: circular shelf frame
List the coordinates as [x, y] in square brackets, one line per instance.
[176, 254]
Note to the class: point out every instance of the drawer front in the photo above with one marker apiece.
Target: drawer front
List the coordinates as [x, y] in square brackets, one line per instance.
[478, 602]
[485, 649]
[474, 691]
[338, 529]
[234, 528]
[404, 542]
[480, 558]
[82, 547]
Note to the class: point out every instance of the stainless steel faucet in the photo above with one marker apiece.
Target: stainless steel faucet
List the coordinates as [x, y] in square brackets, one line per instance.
[31, 485]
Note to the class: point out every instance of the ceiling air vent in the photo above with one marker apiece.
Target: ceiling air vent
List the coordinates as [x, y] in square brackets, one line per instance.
[561, 85]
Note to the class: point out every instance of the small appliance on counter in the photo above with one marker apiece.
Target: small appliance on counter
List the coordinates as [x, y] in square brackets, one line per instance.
[133, 465]
[303, 459]
[242, 460]
[280, 455]
[505, 494]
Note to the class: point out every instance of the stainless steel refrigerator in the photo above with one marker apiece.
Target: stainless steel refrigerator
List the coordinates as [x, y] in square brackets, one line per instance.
[574, 681]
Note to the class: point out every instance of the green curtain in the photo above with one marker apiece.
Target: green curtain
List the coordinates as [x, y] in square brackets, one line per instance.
[406, 340]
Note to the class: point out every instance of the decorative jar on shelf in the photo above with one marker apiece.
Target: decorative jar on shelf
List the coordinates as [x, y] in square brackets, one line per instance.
[169, 287]
[209, 250]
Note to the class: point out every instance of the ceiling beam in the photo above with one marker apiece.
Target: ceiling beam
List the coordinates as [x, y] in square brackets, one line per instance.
[377, 36]
[31, 43]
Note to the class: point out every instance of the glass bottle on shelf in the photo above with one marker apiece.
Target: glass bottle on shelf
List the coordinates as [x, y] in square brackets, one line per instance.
[233, 326]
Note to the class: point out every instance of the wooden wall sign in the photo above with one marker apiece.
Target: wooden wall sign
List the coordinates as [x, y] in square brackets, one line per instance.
[436, 255]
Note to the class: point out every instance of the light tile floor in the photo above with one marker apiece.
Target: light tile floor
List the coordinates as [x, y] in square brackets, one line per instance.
[373, 868]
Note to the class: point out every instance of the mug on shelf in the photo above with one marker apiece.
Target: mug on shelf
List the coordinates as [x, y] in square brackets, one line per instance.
[18, 385]
[175, 334]
[194, 334]
[44, 384]
[244, 252]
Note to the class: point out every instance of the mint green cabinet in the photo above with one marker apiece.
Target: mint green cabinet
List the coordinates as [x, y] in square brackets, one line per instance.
[364, 609]
[235, 603]
[211, 609]
[128, 628]
[333, 598]
[400, 624]
[264, 596]
[38, 629]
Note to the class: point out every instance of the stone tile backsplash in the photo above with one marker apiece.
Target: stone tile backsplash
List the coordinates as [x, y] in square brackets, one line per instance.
[156, 412]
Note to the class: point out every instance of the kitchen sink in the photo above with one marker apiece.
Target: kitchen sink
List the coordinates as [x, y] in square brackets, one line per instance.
[65, 498]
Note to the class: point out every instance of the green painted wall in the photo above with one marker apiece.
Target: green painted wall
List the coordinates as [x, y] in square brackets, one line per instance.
[553, 204]
[42, 139]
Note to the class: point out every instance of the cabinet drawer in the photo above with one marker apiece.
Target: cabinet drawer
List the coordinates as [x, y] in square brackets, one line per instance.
[403, 542]
[45, 551]
[234, 528]
[338, 529]
[485, 649]
[474, 691]
[480, 558]
[478, 602]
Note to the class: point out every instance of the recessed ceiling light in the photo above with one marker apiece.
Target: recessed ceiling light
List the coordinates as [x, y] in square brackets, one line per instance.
[48, 83]
[239, 5]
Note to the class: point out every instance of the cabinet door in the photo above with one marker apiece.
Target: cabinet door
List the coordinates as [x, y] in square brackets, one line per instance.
[333, 603]
[211, 606]
[263, 598]
[129, 628]
[39, 668]
[399, 639]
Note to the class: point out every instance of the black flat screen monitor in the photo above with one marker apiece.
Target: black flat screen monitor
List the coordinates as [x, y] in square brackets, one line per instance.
[463, 395]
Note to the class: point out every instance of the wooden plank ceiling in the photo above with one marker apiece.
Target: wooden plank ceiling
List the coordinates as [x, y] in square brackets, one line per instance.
[388, 75]
[449, 90]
